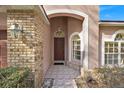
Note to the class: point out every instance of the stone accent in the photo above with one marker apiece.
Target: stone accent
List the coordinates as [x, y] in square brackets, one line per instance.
[27, 50]
[21, 50]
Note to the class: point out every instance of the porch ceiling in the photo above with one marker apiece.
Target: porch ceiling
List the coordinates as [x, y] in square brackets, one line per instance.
[65, 14]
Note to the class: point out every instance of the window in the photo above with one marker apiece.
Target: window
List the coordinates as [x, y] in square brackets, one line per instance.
[114, 50]
[111, 52]
[76, 47]
[119, 36]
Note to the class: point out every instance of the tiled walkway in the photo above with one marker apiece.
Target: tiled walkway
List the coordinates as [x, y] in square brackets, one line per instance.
[63, 76]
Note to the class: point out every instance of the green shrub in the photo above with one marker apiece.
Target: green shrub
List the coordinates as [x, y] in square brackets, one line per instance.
[5, 72]
[13, 77]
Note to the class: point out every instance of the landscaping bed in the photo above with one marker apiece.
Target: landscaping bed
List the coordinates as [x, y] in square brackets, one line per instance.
[15, 77]
[105, 77]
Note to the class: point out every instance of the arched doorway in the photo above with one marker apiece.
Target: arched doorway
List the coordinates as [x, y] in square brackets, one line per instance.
[59, 46]
[84, 31]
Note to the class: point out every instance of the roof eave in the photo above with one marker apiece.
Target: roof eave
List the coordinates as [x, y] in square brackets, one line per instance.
[111, 23]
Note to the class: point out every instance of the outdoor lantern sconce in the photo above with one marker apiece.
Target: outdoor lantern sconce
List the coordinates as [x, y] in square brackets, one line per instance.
[16, 30]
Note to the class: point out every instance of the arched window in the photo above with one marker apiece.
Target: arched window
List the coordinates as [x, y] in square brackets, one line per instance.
[114, 50]
[119, 36]
[76, 55]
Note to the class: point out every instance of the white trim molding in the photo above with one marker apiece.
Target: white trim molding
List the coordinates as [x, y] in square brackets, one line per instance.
[70, 46]
[83, 34]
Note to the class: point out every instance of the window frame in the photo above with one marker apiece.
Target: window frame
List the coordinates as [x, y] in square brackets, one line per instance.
[119, 47]
[76, 50]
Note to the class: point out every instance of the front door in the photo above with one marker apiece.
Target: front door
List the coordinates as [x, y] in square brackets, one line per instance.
[59, 49]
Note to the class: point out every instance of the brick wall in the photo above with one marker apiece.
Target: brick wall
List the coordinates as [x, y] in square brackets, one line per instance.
[27, 50]
[21, 50]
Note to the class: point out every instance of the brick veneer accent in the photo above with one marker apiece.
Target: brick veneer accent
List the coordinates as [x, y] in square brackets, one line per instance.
[21, 50]
[27, 50]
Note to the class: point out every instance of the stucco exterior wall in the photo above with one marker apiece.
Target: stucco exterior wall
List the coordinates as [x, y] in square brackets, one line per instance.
[109, 30]
[46, 49]
[3, 21]
[3, 39]
[74, 25]
[93, 17]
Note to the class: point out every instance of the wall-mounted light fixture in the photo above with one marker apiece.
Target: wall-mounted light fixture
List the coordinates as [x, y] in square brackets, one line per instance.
[16, 30]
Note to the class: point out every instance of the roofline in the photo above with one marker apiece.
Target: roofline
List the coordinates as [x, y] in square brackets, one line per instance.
[111, 21]
[44, 13]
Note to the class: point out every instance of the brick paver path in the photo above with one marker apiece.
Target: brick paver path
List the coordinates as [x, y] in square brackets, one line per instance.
[63, 76]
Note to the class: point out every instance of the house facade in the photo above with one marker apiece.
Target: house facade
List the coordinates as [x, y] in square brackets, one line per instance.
[40, 36]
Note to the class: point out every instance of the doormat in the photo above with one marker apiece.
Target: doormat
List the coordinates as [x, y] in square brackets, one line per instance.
[48, 83]
[58, 63]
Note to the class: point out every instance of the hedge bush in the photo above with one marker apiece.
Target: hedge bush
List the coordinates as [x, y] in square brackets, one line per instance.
[15, 77]
[105, 77]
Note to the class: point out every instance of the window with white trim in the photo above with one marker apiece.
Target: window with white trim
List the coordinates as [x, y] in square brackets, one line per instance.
[76, 55]
[114, 50]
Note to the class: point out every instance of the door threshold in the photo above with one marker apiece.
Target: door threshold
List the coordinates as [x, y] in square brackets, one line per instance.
[58, 62]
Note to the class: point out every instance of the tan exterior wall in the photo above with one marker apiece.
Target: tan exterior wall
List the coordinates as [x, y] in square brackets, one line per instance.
[93, 17]
[46, 49]
[3, 21]
[109, 30]
[74, 25]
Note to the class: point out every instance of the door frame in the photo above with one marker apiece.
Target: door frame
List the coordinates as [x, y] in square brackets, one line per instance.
[60, 61]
